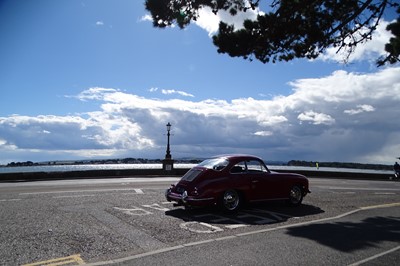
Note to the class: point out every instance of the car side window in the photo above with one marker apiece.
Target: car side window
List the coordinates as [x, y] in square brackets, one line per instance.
[239, 168]
[255, 166]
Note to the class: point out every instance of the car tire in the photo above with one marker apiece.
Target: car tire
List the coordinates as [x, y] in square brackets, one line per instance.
[295, 196]
[230, 200]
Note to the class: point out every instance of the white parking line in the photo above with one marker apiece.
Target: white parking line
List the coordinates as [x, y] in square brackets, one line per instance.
[235, 226]
[137, 190]
[375, 257]
[73, 196]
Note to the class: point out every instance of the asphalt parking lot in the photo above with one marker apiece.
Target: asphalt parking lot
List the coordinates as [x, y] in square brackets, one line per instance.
[98, 222]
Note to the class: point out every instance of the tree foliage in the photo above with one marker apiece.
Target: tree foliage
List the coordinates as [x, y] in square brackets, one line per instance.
[290, 29]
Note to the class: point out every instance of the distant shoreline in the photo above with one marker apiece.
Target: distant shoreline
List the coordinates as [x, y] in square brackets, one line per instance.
[130, 161]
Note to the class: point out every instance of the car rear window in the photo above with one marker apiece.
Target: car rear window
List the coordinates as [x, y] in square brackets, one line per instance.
[191, 175]
[215, 163]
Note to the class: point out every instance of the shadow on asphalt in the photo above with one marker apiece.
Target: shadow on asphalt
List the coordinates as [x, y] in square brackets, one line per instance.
[258, 214]
[351, 236]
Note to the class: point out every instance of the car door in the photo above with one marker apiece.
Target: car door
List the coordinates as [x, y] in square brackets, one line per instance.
[264, 184]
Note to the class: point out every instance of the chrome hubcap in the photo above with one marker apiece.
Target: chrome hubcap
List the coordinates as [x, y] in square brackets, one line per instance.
[295, 194]
[231, 200]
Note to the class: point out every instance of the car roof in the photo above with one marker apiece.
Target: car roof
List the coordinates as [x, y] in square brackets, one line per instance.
[238, 156]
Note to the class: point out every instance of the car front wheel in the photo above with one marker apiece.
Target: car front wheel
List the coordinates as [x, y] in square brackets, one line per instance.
[230, 200]
[295, 196]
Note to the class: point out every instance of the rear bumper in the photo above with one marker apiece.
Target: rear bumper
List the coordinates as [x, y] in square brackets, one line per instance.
[185, 200]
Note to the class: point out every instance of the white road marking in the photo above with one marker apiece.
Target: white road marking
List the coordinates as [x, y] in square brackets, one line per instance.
[235, 226]
[134, 211]
[156, 207]
[259, 219]
[375, 257]
[73, 196]
[209, 228]
[6, 200]
[138, 191]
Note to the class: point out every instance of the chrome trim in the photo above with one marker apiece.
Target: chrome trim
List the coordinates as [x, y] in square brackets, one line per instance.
[178, 197]
[201, 199]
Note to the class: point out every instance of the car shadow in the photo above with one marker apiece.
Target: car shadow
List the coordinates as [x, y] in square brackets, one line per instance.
[351, 236]
[254, 214]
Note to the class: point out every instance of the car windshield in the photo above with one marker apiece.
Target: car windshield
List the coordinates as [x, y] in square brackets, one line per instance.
[215, 163]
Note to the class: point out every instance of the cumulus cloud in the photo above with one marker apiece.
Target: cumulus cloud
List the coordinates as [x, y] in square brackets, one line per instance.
[209, 21]
[182, 93]
[369, 50]
[146, 17]
[172, 92]
[341, 117]
[360, 109]
[316, 118]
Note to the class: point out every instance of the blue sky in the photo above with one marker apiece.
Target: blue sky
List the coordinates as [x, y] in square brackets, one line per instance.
[94, 79]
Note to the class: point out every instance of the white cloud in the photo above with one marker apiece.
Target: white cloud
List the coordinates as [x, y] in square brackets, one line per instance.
[369, 50]
[263, 133]
[340, 117]
[146, 17]
[209, 21]
[182, 93]
[171, 92]
[99, 23]
[316, 118]
[360, 109]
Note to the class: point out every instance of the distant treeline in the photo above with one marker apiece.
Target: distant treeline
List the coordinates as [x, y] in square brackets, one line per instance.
[341, 165]
[101, 161]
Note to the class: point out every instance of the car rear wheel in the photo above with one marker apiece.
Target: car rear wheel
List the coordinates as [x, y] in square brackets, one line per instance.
[230, 200]
[295, 196]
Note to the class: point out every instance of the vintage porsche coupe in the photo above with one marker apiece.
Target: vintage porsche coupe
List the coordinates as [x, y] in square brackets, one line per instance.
[230, 180]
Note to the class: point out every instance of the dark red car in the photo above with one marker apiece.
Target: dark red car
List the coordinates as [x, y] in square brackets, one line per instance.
[230, 180]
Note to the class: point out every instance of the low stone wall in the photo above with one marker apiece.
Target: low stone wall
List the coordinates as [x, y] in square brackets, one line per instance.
[344, 175]
[32, 176]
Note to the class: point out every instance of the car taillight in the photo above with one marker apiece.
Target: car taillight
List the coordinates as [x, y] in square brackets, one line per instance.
[184, 196]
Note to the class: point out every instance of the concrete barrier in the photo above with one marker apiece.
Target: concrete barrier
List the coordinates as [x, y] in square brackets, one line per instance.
[35, 176]
[344, 175]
